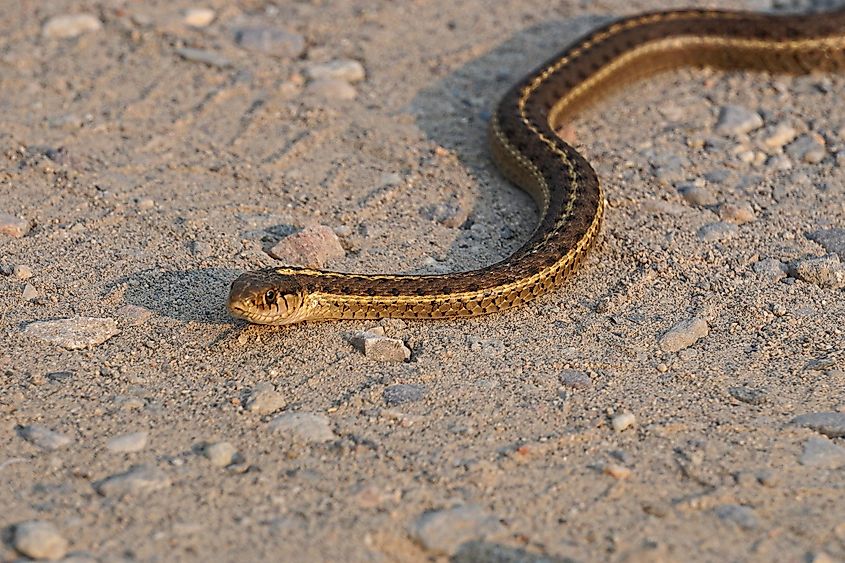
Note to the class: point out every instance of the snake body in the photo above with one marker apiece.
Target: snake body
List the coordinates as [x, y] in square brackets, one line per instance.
[565, 187]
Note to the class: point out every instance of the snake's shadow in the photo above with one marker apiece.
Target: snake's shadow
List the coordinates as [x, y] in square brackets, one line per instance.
[454, 113]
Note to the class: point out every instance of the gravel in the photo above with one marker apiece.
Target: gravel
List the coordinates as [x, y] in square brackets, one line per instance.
[303, 426]
[442, 532]
[831, 424]
[311, 247]
[69, 26]
[684, 334]
[128, 443]
[44, 437]
[73, 334]
[38, 539]
[138, 479]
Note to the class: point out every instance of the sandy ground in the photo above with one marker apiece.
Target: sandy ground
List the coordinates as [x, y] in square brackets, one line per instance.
[148, 179]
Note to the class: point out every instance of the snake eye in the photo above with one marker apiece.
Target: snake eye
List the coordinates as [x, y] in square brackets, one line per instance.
[270, 297]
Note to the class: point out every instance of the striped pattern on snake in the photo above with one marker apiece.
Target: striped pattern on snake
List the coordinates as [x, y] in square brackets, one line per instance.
[563, 184]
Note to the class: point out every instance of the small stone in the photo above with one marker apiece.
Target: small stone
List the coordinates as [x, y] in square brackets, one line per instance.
[832, 240]
[70, 25]
[618, 472]
[405, 393]
[742, 516]
[305, 426]
[220, 454]
[73, 334]
[332, 89]
[736, 214]
[623, 421]
[737, 120]
[746, 395]
[13, 226]
[831, 424]
[29, 292]
[821, 451]
[139, 479]
[271, 41]
[714, 232]
[128, 443]
[341, 69]
[43, 437]
[575, 379]
[22, 272]
[824, 271]
[381, 348]
[134, 315]
[696, 195]
[311, 247]
[684, 334]
[819, 557]
[199, 17]
[779, 135]
[38, 539]
[148, 202]
[265, 400]
[770, 269]
[209, 58]
[810, 148]
[442, 532]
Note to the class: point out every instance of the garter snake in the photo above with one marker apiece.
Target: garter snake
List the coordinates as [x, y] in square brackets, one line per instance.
[526, 149]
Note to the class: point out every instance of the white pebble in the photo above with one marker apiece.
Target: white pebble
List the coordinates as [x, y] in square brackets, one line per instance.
[332, 89]
[220, 454]
[37, 539]
[684, 334]
[43, 437]
[623, 421]
[29, 292]
[199, 17]
[70, 25]
[305, 426]
[128, 443]
[343, 69]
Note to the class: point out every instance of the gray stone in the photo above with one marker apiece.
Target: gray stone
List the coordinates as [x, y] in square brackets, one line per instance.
[820, 451]
[832, 240]
[696, 195]
[13, 226]
[717, 231]
[809, 148]
[341, 69]
[68, 26]
[220, 454]
[747, 395]
[404, 393]
[442, 532]
[331, 89]
[737, 120]
[742, 516]
[305, 426]
[265, 400]
[73, 334]
[770, 269]
[384, 349]
[209, 58]
[128, 443]
[37, 539]
[575, 379]
[271, 41]
[831, 424]
[43, 437]
[684, 334]
[824, 271]
[622, 422]
[29, 292]
[139, 479]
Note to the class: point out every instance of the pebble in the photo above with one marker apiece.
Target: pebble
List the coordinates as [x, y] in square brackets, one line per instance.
[264, 399]
[134, 315]
[737, 120]
[696, 195]
[209, 58]
[12, 226]
[22, 272]
[824, 271]
[809, 148]
[271, 41]
[742, 516]
[139, 479]
[832, 240]
[73, 334]
[747, 395]
[128, 443]
[714, 232]
[442, 532]
[38, 539]
[684, 334]
[70, 25]
[405, 393]
[305, 426]
[332, 89]
[770, 269]
[623, 421]
[43, 437]
[29, 292]
[820, 451]
[220, 454]
[311, 247]
[618, 472]
[341, 69]
[575, 379]
[779, 135]
[736, 214]
[831, 424]
[199, 17]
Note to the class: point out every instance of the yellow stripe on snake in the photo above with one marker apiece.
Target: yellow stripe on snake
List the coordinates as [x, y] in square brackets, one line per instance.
[529, 153]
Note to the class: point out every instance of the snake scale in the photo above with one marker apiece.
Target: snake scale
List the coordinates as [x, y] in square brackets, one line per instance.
[526, 149]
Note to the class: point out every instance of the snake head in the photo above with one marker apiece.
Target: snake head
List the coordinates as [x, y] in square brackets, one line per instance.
[267, 297]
